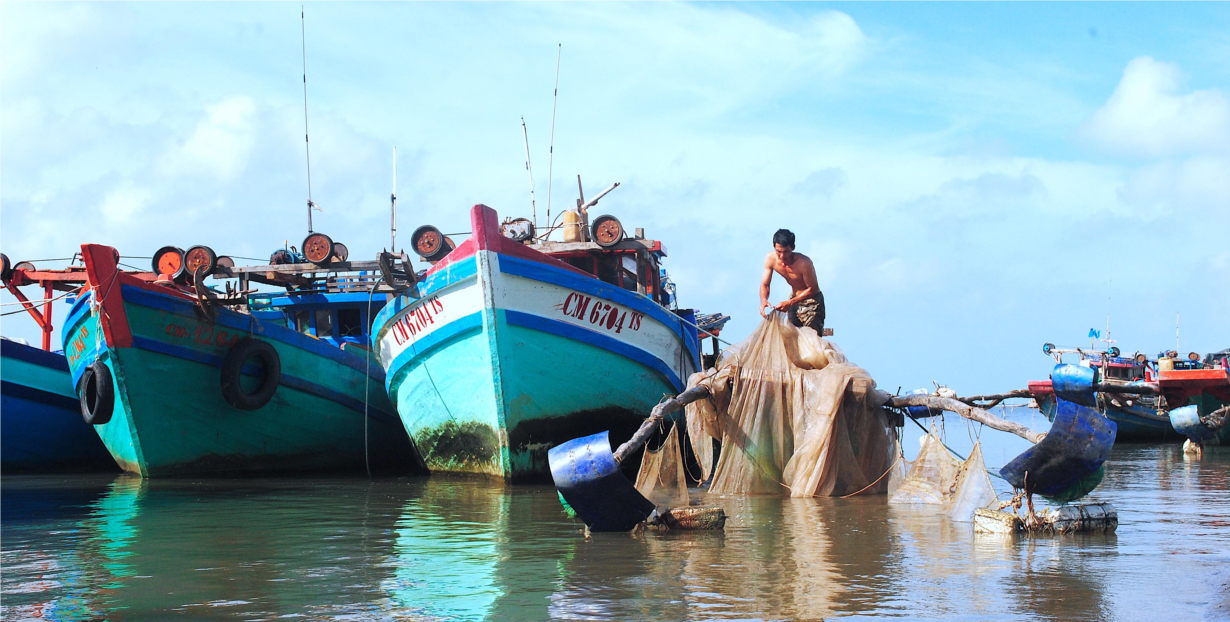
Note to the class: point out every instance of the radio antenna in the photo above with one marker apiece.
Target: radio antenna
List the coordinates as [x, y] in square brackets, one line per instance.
[393, 208]
[306, 145]
[551, 157]
[533, 207]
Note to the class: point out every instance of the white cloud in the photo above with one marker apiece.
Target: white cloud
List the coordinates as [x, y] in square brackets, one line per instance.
[1148, 115]
[220, 144]
[124, 202]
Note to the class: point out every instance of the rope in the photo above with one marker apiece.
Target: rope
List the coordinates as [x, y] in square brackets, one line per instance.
[367, 384]
[40, 302]
[864, 488]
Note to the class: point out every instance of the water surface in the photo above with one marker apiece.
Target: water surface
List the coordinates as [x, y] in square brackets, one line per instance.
[119, 548]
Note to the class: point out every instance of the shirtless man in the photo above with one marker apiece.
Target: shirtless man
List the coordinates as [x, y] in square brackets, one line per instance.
[805, 307]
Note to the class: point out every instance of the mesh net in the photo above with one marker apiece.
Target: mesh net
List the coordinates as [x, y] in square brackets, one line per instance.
[661, 477]
[791, 413]
[936, 478]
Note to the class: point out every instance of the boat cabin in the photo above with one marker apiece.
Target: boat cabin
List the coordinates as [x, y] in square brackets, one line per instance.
[336, 318]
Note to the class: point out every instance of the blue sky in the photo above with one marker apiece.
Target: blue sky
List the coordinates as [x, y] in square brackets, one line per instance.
[972, 180]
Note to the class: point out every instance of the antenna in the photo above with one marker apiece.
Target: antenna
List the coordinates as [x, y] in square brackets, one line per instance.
[533, 206]
[393, 208]
[306, 146]
[1176, 331]
[551, 158]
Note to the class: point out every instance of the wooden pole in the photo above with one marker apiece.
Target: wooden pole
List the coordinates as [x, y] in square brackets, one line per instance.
[655, 417]
[969, 412]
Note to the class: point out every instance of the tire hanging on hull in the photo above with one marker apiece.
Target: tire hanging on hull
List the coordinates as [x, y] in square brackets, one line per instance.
[96, 394]
[232, 370]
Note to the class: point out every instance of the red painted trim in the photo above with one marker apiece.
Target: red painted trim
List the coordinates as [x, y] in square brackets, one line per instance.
[1180, 385]
[1041, 387]
[103, 275]
[485, 235]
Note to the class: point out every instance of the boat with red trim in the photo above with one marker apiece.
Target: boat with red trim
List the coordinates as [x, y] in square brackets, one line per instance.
[179, 379]
[509, 344]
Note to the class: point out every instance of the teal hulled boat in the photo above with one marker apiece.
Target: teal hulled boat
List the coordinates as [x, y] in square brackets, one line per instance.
[176, 385]
[501, 351]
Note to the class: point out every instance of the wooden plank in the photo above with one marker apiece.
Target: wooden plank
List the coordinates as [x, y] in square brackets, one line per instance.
[626, 244]
[307, 268]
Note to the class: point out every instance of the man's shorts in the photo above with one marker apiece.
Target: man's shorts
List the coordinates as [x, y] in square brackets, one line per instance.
[809, 312]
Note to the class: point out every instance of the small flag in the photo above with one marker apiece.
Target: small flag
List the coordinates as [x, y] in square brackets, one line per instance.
[1094, 334]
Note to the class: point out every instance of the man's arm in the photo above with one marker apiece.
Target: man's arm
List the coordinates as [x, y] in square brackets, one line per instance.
[765, 280]
[808, 270]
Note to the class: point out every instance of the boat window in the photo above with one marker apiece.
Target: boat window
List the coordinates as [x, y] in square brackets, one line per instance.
[349, 323]
[1118, 373]
[302, 322]
[324, 323]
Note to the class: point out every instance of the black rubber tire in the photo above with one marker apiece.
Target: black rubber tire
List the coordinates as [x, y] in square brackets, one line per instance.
[232, 367]
[96, 394]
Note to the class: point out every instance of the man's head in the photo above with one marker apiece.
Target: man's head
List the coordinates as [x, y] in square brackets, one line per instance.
[783, 244]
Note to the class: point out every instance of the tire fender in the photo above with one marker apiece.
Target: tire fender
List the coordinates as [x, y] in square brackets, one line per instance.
[245, 350]
[96, 394]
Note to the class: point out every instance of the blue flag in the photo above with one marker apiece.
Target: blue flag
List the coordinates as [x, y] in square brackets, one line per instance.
[1094, 334]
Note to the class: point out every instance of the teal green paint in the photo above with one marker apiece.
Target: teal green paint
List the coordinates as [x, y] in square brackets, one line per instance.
[170, 416]
[451, 385]
[39, 377]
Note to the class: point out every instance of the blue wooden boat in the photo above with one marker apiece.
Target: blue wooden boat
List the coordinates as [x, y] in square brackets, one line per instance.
[41, 429]
[183, 384]
[1137, 418]
[506, 348]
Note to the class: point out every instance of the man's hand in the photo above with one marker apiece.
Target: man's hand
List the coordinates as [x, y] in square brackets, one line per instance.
[763, 306]
[783, 306]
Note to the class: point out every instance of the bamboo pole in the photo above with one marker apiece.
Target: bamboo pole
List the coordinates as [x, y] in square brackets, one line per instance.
[655, 417]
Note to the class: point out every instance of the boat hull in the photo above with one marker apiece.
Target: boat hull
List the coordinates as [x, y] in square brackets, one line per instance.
[41, 429]
[500, 356]
[170, 417]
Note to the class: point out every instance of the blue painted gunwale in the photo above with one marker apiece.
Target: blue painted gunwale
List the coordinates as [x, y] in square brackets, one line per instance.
[541, 272]
[33, 355]
[35, 394]
[451, 274]
[238, 321]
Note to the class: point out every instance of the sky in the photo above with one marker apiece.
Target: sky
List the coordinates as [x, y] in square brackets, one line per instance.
[971, 180]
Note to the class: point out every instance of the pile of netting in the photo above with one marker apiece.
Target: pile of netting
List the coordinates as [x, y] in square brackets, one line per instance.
[792, 414]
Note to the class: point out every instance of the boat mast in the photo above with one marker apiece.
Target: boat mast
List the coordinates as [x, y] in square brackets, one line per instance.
[393, 208]
[533, 206]
[551, 154]
[306, 146]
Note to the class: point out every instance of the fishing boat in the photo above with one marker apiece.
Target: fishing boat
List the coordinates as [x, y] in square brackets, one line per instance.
[1136, 416]
[1197, 396]
[179, 379]
[509, 344]
[41, 429]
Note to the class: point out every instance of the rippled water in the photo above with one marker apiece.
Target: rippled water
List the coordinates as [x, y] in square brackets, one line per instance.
[80, 548]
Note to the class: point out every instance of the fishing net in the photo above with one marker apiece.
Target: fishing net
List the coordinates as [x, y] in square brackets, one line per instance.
[791, 413]
[936, 478]
[661, 478]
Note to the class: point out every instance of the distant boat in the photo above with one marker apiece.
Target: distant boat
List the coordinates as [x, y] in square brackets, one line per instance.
[505, 348]
[41, 428]
[1198, 397]
[184, 384]
[1137, 418]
